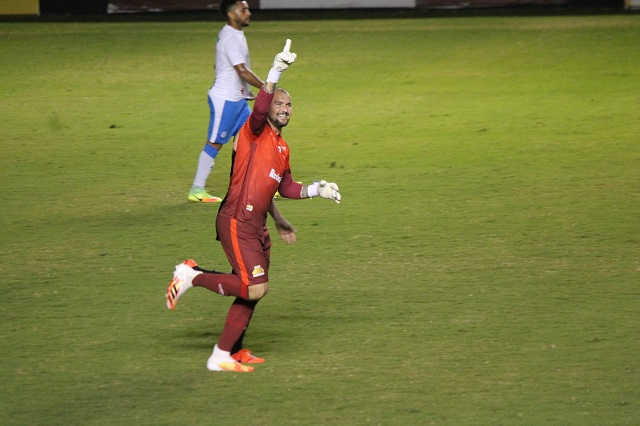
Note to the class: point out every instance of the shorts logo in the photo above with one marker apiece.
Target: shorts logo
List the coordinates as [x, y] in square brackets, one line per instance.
[273, 175]
[257, 271]
[220, 289]
[223, 134]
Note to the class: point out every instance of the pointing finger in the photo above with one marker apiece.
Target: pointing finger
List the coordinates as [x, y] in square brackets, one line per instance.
[287, 45]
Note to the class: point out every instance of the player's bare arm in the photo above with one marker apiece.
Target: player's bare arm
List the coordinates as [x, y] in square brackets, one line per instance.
[285, 229]
[249, 76]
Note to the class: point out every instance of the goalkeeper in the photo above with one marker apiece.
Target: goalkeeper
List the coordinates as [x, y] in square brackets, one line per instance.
[260, 167]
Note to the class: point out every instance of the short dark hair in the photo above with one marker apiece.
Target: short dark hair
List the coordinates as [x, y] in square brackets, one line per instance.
[225, 7]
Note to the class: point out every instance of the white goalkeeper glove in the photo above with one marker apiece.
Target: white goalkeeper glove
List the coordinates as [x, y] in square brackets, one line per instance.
[281, 62]
[324, 189]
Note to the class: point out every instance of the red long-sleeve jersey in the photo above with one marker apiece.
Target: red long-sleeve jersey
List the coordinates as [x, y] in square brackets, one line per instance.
[260, 167]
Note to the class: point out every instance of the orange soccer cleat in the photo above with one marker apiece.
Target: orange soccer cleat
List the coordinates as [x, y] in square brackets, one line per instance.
[232, 366]
[245, 356]
[181, 281]
[221, 361]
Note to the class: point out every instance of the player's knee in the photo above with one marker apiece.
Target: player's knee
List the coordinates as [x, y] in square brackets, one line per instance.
[258, 291]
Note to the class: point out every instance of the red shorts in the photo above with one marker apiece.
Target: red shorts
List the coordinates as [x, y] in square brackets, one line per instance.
[248, 249]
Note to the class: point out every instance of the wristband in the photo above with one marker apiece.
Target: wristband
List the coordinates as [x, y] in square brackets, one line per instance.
[274, 75]
[312, 190]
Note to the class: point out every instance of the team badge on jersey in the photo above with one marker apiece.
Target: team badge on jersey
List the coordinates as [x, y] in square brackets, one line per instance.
[257, 271]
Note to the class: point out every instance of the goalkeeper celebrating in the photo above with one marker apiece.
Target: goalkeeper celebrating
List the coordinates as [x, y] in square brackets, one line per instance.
[260, 167]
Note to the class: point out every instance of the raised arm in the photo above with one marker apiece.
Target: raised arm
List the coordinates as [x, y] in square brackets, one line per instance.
[258, 117]
[261, 108]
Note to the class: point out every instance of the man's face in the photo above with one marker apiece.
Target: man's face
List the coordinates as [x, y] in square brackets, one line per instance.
[280, 109]
[240, 14]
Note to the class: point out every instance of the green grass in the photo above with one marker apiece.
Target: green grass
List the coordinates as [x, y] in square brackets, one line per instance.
[482, 268]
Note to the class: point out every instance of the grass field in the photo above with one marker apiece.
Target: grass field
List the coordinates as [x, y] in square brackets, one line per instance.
[483, 267]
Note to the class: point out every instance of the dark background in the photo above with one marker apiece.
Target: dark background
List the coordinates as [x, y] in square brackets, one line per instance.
[99, 7]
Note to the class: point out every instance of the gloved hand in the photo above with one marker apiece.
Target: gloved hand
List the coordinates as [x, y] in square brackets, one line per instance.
[325, 189]
[285, 58]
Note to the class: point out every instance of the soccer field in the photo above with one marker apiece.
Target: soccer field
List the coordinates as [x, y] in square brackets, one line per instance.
[482, 269]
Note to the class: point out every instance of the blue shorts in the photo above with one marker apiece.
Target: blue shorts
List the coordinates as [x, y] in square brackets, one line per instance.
[226, 118]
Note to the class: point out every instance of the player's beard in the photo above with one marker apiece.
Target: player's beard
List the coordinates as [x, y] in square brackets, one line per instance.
[277, 123]
[280, 125]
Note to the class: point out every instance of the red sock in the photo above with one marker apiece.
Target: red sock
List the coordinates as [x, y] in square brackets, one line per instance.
[237, 320]
[225, 284]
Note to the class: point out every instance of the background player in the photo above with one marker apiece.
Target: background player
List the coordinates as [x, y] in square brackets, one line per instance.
[229, 94]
